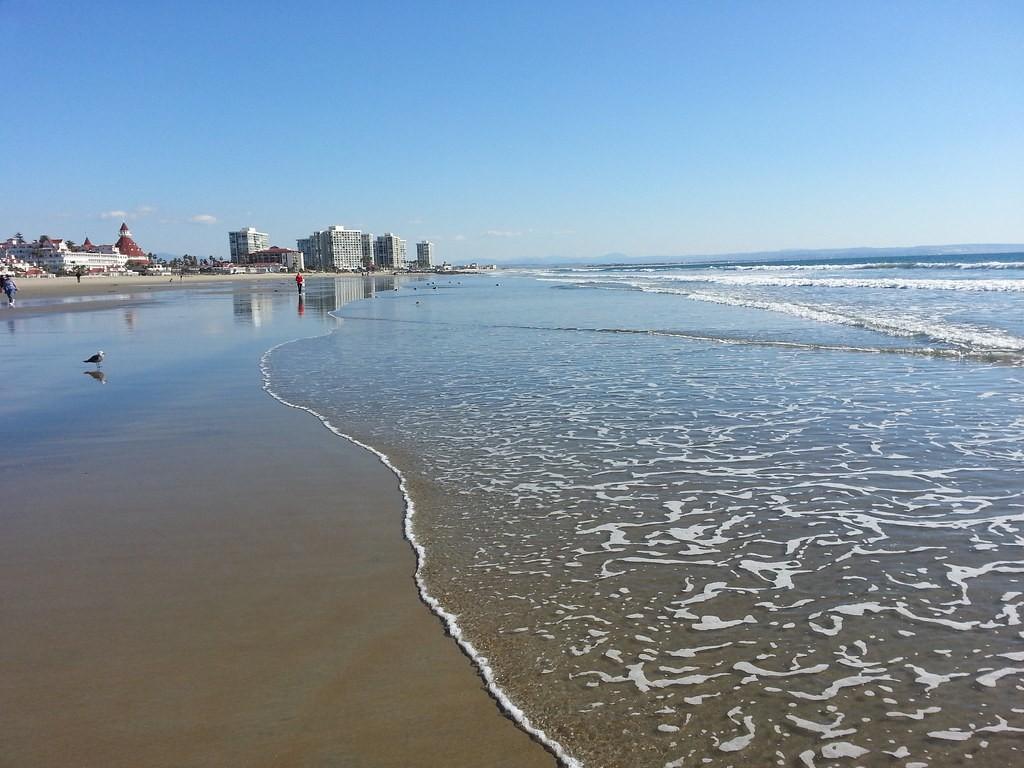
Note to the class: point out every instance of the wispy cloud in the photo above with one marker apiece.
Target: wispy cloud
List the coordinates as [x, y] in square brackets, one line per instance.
[137, 212]
[459, 238]
[502, 233]
[203, 218]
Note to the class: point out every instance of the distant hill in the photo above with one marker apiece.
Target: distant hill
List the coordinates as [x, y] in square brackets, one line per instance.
[963, 249]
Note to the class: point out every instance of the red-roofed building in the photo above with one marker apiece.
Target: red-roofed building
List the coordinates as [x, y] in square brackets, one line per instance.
[130, 248]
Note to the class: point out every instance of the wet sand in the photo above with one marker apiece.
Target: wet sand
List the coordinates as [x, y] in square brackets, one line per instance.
[220, 581]
[100, 287]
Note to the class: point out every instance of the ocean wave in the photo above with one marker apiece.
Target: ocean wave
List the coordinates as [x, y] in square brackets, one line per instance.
[657, 548]
[996, 285]
[981, 285]
[779, 267]
[970, 338]
[872, 265]
[992, 355]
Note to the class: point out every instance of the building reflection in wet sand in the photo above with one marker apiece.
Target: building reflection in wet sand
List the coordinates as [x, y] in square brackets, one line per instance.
[323, 296]
[319, 297]
[253, 309]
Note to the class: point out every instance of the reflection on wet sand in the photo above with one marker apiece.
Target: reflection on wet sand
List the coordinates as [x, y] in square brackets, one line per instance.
[99, 376]
[251, 308]
[323, 296]
[320, 297]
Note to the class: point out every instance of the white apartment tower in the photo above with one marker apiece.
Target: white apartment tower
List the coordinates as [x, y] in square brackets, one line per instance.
[425, 254]
[246, 241]
[341, 248]
[389, 251]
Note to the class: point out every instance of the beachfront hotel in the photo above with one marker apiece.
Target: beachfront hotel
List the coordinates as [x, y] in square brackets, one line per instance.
[246, 241]
[58, 255]
[334, 248]
[341, 248]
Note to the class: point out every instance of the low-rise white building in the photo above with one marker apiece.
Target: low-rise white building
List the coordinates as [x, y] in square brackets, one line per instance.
[289, 258]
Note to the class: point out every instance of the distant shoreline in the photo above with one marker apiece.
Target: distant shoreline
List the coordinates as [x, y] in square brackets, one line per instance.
[67, 287]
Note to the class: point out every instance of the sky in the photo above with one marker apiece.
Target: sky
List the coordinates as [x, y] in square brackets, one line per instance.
[523, 130]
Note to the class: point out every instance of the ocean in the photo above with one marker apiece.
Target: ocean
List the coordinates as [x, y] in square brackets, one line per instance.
[716, 514]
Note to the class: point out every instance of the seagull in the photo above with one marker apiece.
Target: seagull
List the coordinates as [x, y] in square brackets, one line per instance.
[97, 358]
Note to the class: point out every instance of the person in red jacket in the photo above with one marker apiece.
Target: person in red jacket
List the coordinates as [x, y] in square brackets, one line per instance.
[299, 279]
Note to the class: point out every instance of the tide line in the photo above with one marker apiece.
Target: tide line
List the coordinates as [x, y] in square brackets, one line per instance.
[449, 619]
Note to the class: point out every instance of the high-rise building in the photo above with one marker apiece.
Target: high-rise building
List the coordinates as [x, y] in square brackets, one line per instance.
[310, 247]
[389, 251]
[368, 249]
[341, 248]
[425, 254]
[246, 241]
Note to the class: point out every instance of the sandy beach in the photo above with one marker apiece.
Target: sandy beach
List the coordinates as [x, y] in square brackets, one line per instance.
[45, 295]
[193, 574]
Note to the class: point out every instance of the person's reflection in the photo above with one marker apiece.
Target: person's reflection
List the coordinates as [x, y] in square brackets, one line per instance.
[10, 326]
[99, 376]
[302, 305]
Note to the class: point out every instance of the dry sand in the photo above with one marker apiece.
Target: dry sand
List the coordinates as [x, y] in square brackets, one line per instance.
[176, 593]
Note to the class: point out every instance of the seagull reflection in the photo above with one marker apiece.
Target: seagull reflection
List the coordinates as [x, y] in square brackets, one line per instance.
[100, 376]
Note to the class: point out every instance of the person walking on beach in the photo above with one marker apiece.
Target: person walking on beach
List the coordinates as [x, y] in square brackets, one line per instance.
[8, 286]
[299, 279]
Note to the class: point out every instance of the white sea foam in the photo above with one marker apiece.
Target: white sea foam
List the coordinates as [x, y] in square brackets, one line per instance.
[973, 286]
[824, 730]
[840, 749]
[894, 265]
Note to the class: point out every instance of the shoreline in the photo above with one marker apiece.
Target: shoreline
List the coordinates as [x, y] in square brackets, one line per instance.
[448, 619]
[205, 611]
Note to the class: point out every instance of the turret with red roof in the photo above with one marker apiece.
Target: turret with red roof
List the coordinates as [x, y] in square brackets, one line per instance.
[129, 247]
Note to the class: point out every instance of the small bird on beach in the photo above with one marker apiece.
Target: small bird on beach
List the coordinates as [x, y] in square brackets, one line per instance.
[97, 358]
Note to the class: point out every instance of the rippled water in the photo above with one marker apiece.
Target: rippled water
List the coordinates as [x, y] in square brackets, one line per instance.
[693, 533]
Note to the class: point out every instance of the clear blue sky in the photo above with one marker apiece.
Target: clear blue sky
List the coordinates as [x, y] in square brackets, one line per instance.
[522, 129]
